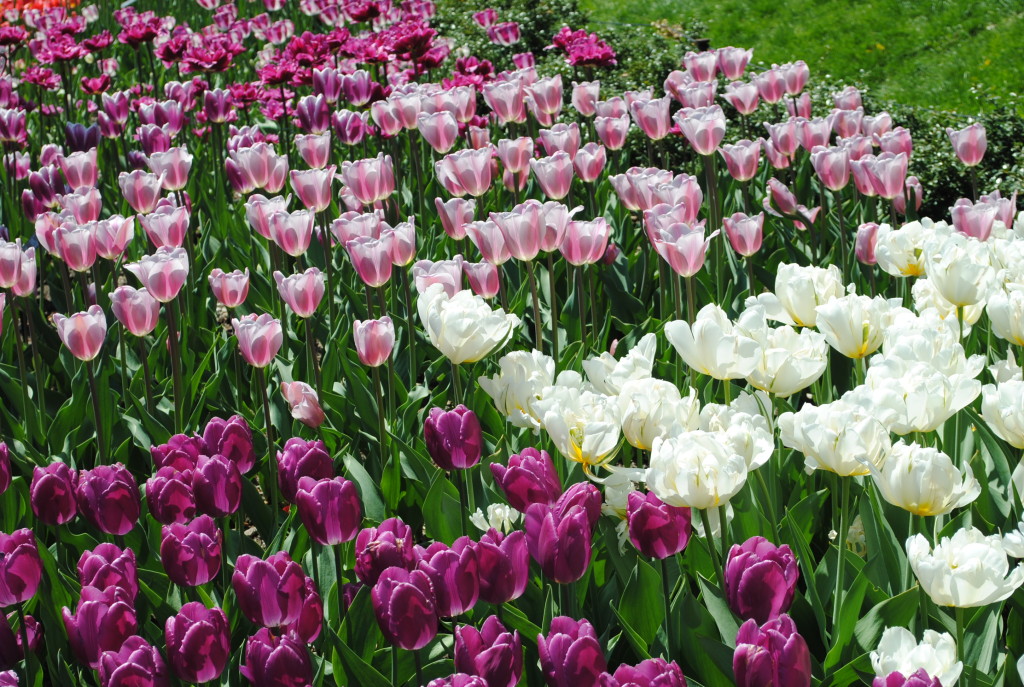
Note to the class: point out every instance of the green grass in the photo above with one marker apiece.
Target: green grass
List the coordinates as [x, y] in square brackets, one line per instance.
[949, 54]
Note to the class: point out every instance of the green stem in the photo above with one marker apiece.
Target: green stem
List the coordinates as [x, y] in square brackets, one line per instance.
[175, 346]
[844, 488]
[29, 663]
[554, 308]
[271, 484]
[311, 354]
[456, 385]
[143, 356]
[101, 445]
[582, 306]
[404, 276]
[538, 332]
[838, 200]
[961, 651]
[668, 607]
[709, 538]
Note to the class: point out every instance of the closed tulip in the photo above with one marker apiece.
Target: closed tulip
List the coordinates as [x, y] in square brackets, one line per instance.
[492, 652]
[832, 165]
[504, 563]
[961, 268]
[371, 258]
[553, 174]
[302, 292]
[166, 226]
[292, 231]
[899, 651]
[173, 166]
[276, 661]
[136, 663]
[378, 548]
[529, 478]
[80, 168]
[969, 143]
[301, 458]
[760, 579]
[259, 338]
[198, 642]
[683, 247]
[455, 214]
[231, 438]
[966, 570]
[440, 130]
[854, 325]
[315, 151]
[454, 574]
[745, 233]
[135, 309]
[773, 655]
[454, 440]
[484, 278]
[103, 621]
[652, 116]
[313, 187]
[374, 340]
[109, 566]
[742, 158]
[113, 235]
[52, 493]
[259, 209]
[703, 127]
[270, 591]
[308, 625]
[404, 604]
[489, 240]
[82, 333]
[329, 509]
[584, 97]
[109, 498]
[656, 529]
[612, 131]
[303, 403]
[559, 540]
[191, 553]
[370, 180]
[229, 288]
[867, 239]
[589, 162]
[570, 655]
[217, 485]
[21, 568]
[141, 189]
[163, 273]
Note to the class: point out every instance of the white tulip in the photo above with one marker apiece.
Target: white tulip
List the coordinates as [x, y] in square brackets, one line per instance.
[927, 297]
[1013, 542]
[960, 267]
[855, 325]
[899, 251]
[608, 374]
[1005, 310]
[747, 433]
[463, 327]
[521, 377]
[899, 651]
[1006, 370]
[798, 292]
[909, 396]
[652, 408]
[712, 346]
[500, 516]
[923, 480]
[695, 469]
[929, 339]
[966, 570]
[839, 437]
[1002, 407]
[789, 360]
[582, 423]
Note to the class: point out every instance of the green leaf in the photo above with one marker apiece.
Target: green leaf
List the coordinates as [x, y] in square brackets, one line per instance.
[853, 599]
[896, 612]
[718, 607]
[642, 605]
[373, 506]
[442, 510]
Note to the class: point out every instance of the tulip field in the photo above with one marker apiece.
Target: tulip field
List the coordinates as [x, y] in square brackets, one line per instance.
[332, 353]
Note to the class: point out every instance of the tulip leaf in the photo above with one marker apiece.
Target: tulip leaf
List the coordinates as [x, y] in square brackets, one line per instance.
[853, 600]
[712, 667]
[981, 638]
[257, 511]
[442, 510]
[642, 606]
[805, 559]
[857, 671]
[878, 531]
[718, 607]
[373, 506]
[517, 620]
[360, 672]
[895, 612]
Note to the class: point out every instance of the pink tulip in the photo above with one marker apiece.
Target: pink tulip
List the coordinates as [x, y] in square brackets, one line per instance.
[261, 166]
[612, 107]
[447, 273]
[401, 241]
[742, 96]
[896, 141]
[166, 226]
[832, 165]
[912, 189]
[515, 153]
[1006, 208]
[302, 292]
[862, 179]
[76, 246]
[26, 284]
[683, 247]
[681, 189]
[470, 170]
[505, 33]
[489, 240]
[173, 165]
[969, 143]
[864, 248]
[354, 224]
[521, 229]
[292, 231]
[314, 149]
[312, 114]
[374, 340]
[847, 123]
[303, 403]
[259, 338]
[163, 273]
[784, 136]
[732, 62]
[259, 209]
[439, 130]
[701, 66]
[553, 174]
[745, 233]
[781, 197]
[556, 220]
[84, 204]
[112, 235]
[795, 75]
[350, 127]
[546, 98]
[771, 85]
[141, 189]
[455, 214]
[506, 100]
[10, 263]
[877, 125]
[799, 106]
[229, 288]
[83, 333]
[584, 97]
[589, 162]
[703, 127]
[585, 242]
[814, 132]
[560, 137]
[313, 187]
[699, 94]
[887, 173]
[974, 219]
[135, 309]
[742, 159]
[652, 116]
[479, 137]
[80, 168]
[858, 146]
[847, 99]
[612, 131]
[372, 260]
[486, 18]
[484, 278]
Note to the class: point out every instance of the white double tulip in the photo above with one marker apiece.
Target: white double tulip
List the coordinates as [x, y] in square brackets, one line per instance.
[712, 345]
[927, 297]
[652, 408]
[788, 360]
[582, 423]
[960, 268]
[966, 570]
[855, 325]
[899, 252]
[521, 377]
[1005, 310]
[1002, 407]
[798, 293]
[839, 437]
[899, 651]
[608, 374]
[463, 327]
[923, 480]
[695, 469]
[742, 425]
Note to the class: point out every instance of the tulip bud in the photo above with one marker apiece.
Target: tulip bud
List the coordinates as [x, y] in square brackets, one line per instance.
[529, 478]
[191, 553]
[230, 288]
[217, 485]
[270, 591]
[303, 403]
[301, 458]
[378, 548]
[454, 439]
[109, 566]
[570, 653]
[504, 566]
[260, 337]
[329, 508]
[969, 143]
[198, 642]
[135, 309]
[492, 652]
[404, 604]
[82, 333]
[773, 655]
[52, 493]
[867, 237]
[109, 498]
[21, 569]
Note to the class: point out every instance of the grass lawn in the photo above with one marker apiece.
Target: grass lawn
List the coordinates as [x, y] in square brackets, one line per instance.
[919, 52]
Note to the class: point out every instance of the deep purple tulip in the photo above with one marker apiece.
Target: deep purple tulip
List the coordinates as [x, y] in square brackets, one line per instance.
[109, 566]
[404, 604]
[9, 678]
[654, 672]
[454, 440]
[760, 579]
[379, 548]
[307, 626]
[276, 661]
[492, 652]
[217, 485]
[180, 452]
[570, 655]
[504, 566]
[231, 438]
[329, 509]
[109, 498]
[11, 651]
[20, 567]
[919, 678]
[582, 494]
[137, 663]
[529, 478]
[5, 467]
[299, 459]
[455, 575]
[191, 554]
[102, 622]
[773, 655]
[169, 496]
[53, 493]
[269, 591]
[559, 540]
[456, 680]
[198, 642]
[656, 529]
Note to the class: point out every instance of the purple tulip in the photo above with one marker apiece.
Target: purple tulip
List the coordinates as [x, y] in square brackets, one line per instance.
[217, 485]
[760, 579]
[403, 602]
[454, 439]
[492, 652]
[276, 661]
[656, 529]
[919, 678]
[191, 553]
[378, 548]
[654, 672]
[269, 591]
[180, 452]
[773, 655]
[11, 651]
[53, 493]
[20, 567]
[136, 664]
[504, 566]
[198, 642]
[109, 498]
[454, 574]
[456, 680]
[307, 626]
[559, 542]
[109, 566]
[329, 509]
[529, 478]
[299, 459]
[583, 494]
[5, 467]
[570, 655]
[103, 620]
[169, 496]
[231, 438]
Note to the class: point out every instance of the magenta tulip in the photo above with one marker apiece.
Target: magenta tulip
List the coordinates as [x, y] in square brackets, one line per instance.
[272, 660]
[329, 509]
[231, 438]
[137, 663]
[169, 495]
[109, 566]
[270, 591]
[919, 678]
[492, 652]
[52, 493]
[654, 672]
[404, 604]
[773, 655]
[656, 529]
[570, 655]
[454, 575]
[21, 569]
[103, 621]
[109, 498]
[529, 478]
[198, 642]
[760, 579]
[454, 438]
[378, 548]
[191, 553]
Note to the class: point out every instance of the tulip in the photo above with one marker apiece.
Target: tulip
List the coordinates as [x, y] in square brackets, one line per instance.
[760, 579]
[694, 469]
[301, 458]
[302, 292]
[854, 325]
[315, 151]
[103, 621]
[969, 143]
[463, 327]
[570, 655]
[370, 180]
[353, 225]
[173, 166]
[899, 651]
[440, 130]
[372, 259]
[109, 498]
[454, 576]
[559, 540]
[745, 232]
[303, 403]
[163, 273]
[974, 219]
[529, 478]
[270, 592]
[772, 655]
[259, 338]
[169, 495]
[276, 661]
[867, 238]
[379, 548]
[454, 439]
[924, 481]
[589, 162]
[742, 159]
[142, 190]
[259, 210]
[313, 187]
[455, 214]
[136, 663]
[217, 485]
[109, 566]
[489, 240]
[966, 570]
[961, 268]
[655, 528]
[612, 131]
[21, 568]
[231, 438]
[504, 563]
[404, 604]
[76, 246]
[832, 165]
[652, 117]
[447, 273]
[484, 278]
[135, 309]
[229, 288]
[191, 553]
[82, 333]
[292, 232]
[198, 642]
[401, 241]
[259, 166]
[919, 678]
[374, 340]
[553, 174]
[492, 652]
[52, 493]
[308, 625]
[654, 672]
[80, 168]
[585, 242]
[329, 508]
[683, 247]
